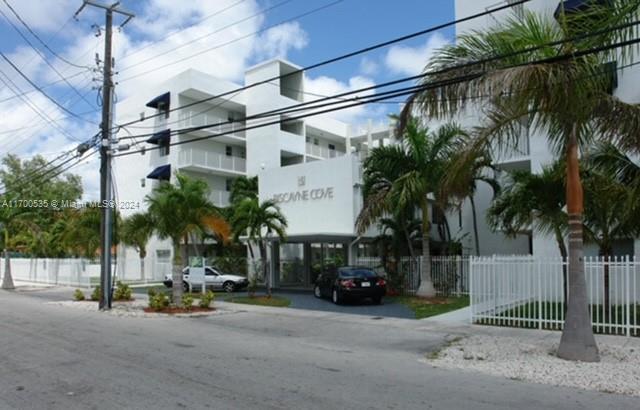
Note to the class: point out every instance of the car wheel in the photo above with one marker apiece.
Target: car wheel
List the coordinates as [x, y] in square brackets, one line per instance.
[229, 287]
[377, 300]
[316, 291]
[335, 297]
[185, 286]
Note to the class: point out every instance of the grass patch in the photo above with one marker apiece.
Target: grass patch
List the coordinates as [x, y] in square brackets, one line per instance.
[423, 307]
[526, 315]
[276, 301]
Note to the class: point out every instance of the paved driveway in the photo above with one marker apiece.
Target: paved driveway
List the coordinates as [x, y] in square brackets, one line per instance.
[389, 307]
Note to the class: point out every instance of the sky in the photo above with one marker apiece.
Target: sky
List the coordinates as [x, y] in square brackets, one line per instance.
[219, 37]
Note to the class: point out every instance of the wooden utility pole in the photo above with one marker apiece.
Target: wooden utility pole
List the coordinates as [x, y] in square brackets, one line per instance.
[106, 200]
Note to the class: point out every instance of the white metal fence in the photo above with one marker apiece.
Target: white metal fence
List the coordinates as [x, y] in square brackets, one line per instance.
[450, 274]
[83, 272]
[529, 291]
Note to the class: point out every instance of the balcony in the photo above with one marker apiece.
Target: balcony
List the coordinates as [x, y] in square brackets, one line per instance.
[207, 161]
[215, 124]
[220, 198]
[518, 153]
[322, 152]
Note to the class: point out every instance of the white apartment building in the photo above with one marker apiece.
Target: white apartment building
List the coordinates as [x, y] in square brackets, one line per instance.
[310, 166]
[533, 151]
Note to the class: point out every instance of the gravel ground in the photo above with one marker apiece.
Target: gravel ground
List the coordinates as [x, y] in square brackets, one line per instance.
[535, 361]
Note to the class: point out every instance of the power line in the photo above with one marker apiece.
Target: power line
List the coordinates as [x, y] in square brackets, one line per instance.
[183, 29]
[299, 16]
[341, 57]
[12, 87]
[34, 34]
[297, 107]
[34, 85]
[42, 56]
[394, 93]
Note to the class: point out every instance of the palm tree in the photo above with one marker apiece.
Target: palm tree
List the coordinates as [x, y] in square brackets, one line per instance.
[397, 234]
[243, 187]
[408, 175]
[462, 182]
[564, 94]
[532, 201]
[256, 220]
[136, 232]
[82, 231]
[177, 210]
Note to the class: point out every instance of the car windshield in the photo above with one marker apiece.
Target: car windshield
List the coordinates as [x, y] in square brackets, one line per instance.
[357, 273]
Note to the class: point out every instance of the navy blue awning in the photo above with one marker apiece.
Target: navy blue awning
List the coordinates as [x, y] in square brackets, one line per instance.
[161, 173]
[160, 136]
[161, 102]
[575, 6]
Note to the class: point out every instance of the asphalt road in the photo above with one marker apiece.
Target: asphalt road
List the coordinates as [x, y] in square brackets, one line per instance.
[56, 357]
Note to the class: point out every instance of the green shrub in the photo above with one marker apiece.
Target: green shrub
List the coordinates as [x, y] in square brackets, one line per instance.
[95, 295]
[151, 292]
[187, 301]
[206, 300]
[78, 295]
[122, 292]
[158, 301]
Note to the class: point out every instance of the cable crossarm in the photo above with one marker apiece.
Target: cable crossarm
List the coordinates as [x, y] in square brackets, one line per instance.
[339, 58]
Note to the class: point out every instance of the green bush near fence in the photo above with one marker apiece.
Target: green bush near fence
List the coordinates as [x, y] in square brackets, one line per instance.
[78, 295]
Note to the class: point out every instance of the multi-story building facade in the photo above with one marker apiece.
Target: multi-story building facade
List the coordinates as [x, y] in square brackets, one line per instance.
[311, 166]
[532, 152]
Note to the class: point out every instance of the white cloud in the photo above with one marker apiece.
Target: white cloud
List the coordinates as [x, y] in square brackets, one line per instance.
[41, 16]
[368, 67]
[412, 60]
[278, 40]
[321, 86]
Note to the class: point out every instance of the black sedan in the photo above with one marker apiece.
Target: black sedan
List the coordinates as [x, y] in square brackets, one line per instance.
[350, 282]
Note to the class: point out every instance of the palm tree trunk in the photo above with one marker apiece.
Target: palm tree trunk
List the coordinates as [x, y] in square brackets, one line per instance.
[426, 288]
[475, 224]
[177, 272]
[563, 253]
[142, 275]
[265, 267]
[577, 341]
[7, 279]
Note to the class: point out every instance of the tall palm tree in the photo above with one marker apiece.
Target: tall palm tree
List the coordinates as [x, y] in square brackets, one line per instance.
[461, 182]
[564, 93]
[136, 232]
[259, 221]
[408, 175]
[177, 210]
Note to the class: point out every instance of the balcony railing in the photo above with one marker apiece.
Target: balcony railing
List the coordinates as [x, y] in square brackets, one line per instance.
[215, 124]
[219, 198]
[211, 160]
[322, 152]
[514, 152]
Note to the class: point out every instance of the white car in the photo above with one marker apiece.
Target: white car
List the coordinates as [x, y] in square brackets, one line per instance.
[214, 279]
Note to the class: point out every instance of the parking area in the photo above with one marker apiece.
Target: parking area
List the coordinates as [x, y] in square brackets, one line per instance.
[388, 308]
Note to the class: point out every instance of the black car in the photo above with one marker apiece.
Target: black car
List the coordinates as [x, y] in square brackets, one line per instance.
[350, 282]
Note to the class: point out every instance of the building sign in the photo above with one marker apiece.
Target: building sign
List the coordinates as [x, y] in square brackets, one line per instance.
[304, 195]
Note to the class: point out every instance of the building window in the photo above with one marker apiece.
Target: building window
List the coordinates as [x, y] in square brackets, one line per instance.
[228, 150]
[164, 147]
[228, 184]
[308, 139]
[243, 153]
[143, 182]
[316, 141]
[332, 147]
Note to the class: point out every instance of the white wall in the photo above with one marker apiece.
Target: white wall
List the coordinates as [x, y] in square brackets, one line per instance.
[335, 215]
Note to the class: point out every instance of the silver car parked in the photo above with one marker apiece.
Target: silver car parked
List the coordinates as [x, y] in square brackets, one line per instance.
[214, 279]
